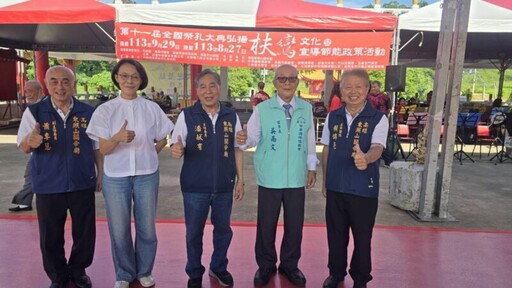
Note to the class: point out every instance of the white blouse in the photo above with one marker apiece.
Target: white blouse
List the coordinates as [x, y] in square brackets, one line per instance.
[150, 124]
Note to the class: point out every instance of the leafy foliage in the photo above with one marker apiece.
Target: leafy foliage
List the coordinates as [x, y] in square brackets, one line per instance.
[395, 5]
[422, 3]
[241, 81]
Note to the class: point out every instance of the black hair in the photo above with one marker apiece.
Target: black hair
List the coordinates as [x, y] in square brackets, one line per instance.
[140, 69]
[205, 72]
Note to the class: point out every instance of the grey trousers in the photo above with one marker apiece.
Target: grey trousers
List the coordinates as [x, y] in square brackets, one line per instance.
[25, 195]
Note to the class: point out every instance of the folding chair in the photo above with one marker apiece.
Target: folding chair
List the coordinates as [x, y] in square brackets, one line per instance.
[484, 137]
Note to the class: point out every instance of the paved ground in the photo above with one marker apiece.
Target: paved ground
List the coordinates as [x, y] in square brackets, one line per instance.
[480, 197]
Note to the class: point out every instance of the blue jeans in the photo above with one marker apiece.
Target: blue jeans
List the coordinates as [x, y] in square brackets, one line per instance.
[120, 192]
[197, 206]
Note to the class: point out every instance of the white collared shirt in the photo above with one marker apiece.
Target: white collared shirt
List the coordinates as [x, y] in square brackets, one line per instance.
[61, 113]
[181, 127]
[150, 124]
[379, 136]
[28, 122]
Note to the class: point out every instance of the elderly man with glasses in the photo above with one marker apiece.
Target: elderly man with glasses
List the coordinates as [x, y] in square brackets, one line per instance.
[285, 161]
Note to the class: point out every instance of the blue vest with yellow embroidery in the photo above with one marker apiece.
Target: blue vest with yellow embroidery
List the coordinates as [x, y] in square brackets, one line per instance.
[280, 159]
[65, 160]
[342, 174]
[209, 159]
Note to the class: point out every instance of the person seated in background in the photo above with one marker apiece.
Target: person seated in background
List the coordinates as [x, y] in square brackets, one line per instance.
[429, 97]
[379, 99]
[165, 102]
[260, 96]
[491, 111]
[335, 100]
[158, 97]
[401, 110]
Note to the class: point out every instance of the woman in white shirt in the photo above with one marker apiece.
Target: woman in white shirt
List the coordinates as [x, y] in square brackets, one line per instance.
[131, 132]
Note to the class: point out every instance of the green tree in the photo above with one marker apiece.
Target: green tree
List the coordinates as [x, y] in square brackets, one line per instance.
[31, 72]
[241, 81]
[91, 68]
[422, 3]
[393, 4]
[419, 80]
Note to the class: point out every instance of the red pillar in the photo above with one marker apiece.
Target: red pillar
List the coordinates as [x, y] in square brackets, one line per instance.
[194, 71]
[70, 63]
[41, 64]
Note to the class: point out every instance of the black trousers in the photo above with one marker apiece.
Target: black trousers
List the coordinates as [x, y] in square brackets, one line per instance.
[346, 212]
[269, 207]
[52, 210]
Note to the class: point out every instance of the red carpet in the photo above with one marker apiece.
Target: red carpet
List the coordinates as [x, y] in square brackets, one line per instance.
[402, 257]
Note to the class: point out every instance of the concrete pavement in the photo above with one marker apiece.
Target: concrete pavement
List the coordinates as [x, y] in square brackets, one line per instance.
[480, 196]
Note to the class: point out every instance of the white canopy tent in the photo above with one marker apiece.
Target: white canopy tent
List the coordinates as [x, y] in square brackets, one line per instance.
[484, 16]
[489, 37]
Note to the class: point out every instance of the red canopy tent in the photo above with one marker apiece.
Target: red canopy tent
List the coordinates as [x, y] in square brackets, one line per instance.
[255, 33]
[56, 25]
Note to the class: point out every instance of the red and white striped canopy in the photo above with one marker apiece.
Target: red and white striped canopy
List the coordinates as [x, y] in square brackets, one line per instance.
[279, 14]
[255, 33]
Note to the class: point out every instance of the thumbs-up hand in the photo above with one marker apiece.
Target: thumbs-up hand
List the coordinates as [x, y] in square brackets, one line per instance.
[241, 136]
[125, 135]
[35, 139]
[177, 149]
[359, 158]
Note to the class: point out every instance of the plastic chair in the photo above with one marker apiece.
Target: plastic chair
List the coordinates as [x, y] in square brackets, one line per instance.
[484, 137]
[404, 136]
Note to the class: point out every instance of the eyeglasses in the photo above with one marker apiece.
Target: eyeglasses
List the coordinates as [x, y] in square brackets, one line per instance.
[126, 77]
[291, 79]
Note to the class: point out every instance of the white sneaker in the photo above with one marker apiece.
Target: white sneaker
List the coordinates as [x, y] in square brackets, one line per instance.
[147, 281]
[122, 284]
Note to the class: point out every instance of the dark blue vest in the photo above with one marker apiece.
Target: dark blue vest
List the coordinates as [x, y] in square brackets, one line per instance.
[209, 159]
[342, 175]
[65, 160]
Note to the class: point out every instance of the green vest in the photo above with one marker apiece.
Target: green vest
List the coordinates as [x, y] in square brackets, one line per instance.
[281, 156]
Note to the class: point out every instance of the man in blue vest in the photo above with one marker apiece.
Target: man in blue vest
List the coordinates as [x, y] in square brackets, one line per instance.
[212, 168]
[23, 199]
[354, 138]
[63, 176]
[285, 161]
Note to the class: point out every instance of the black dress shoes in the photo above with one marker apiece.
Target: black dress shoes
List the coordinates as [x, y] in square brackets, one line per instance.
[59, 284]
[82, 282]
[332, 281]
[195, 282]
[295, 276]
[19, 209]
[262, 276]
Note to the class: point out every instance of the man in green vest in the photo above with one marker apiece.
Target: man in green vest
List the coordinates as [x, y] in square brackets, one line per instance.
[285, 162]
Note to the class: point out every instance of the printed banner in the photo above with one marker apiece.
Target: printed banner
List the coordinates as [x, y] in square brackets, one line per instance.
[255, 49]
